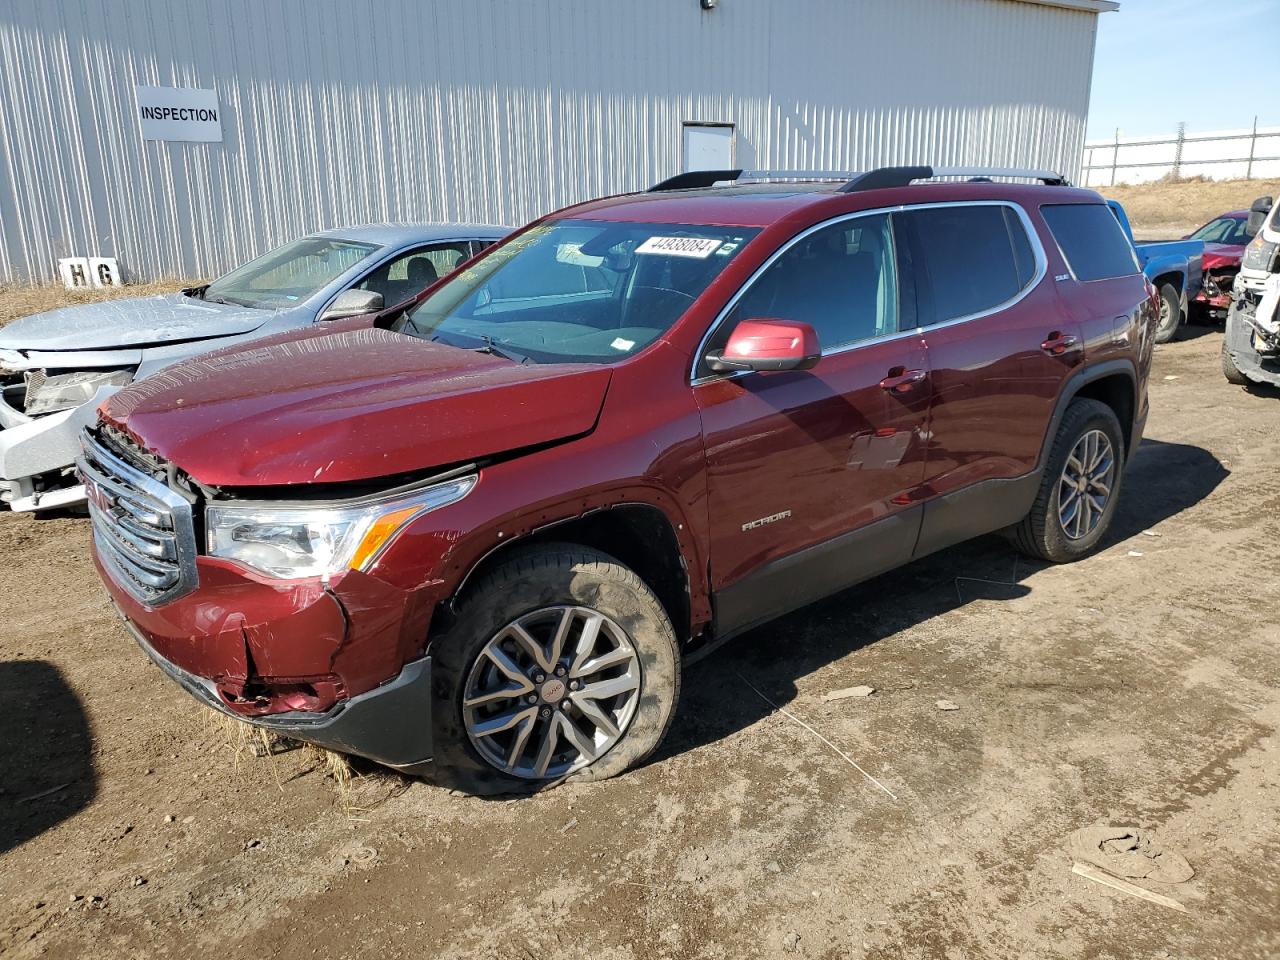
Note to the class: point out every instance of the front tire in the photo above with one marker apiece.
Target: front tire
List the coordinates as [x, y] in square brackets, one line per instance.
[1170, 314]
[1229, 368]
[1079, 489]
[561, 665]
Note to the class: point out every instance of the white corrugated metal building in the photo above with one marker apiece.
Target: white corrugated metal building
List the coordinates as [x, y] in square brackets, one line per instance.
[347, 111]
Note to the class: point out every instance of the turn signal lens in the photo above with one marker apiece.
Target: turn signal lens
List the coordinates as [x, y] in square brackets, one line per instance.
[380, 533]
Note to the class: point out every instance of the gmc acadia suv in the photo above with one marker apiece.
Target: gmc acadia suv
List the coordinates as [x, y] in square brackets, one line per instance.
[478, 535]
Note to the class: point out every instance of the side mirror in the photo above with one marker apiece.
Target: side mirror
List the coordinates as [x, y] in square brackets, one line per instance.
[1258, 213]
[352, 303]
[767, 345]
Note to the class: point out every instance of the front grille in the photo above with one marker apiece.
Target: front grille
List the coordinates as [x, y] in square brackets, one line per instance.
[35, 380]
[118, 442]
[143, 531]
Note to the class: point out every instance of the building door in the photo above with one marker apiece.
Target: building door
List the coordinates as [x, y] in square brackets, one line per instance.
[708, 146]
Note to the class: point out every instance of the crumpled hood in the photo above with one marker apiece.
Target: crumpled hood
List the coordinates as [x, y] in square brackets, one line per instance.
[354, 405]
[135, 322]
[1221, 255]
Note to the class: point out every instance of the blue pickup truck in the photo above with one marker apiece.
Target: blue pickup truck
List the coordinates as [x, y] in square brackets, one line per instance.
[1175, 267]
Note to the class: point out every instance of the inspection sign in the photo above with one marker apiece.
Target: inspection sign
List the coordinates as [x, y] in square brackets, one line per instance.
[179, 113]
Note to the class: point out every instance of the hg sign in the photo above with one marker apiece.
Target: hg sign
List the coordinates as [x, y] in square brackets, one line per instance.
[79, 272]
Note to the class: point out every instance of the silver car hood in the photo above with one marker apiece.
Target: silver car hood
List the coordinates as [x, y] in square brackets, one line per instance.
[136, 322]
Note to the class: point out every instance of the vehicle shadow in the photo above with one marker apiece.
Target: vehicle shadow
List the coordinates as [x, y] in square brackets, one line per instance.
[45, 749]
[1262, 390]
[1195, 329]
[1163, 480]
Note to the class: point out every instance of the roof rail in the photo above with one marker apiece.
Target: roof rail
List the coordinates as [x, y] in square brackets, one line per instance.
[798, 174]
[880, 179]
[904, 176]
[694, 179]
[707, 178]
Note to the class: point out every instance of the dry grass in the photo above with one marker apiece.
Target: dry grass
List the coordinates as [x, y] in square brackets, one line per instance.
[1167, 209]
[244, 739]
[337, 766]
[23, 299]
[241, 738]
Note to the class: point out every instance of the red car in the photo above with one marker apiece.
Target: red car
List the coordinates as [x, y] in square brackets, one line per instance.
[479, 535]
[1225, 238]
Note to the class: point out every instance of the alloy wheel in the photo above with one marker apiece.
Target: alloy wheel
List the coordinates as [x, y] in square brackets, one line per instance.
[1086, 483]
[551, 692]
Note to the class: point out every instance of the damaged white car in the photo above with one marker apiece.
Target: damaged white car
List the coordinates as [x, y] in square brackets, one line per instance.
[56, 367]
[1251, 346]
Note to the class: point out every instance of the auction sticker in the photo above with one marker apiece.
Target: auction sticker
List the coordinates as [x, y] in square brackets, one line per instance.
[699, 247]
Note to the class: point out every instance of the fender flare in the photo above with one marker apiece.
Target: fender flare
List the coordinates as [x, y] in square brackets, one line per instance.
[1078, 380]
[1164, 266]
[471, 552]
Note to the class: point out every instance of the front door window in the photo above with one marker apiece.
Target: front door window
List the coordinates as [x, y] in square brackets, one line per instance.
[841, 280]
[410, 273]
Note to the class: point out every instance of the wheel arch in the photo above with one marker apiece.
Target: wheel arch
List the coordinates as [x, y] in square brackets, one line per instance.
[639, 534]
[1114, 383]
[1176, 278]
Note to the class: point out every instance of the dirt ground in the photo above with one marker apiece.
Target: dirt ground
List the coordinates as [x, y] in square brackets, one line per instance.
[1167, 209]
[1140, 686]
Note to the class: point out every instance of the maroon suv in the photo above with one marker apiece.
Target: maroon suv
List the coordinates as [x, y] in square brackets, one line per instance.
[479, 535]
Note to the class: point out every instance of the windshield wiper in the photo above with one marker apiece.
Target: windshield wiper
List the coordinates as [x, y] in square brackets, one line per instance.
[492, 347]
[229, 300]
[487, 345]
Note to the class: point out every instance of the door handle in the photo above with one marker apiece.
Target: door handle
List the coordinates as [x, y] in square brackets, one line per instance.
[901, 380]
[1059, 343]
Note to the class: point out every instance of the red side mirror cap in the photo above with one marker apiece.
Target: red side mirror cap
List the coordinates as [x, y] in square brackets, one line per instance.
[767, 345]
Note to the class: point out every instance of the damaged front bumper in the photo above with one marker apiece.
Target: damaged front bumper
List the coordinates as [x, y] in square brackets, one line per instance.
[341, 665]
[371, 725]
[1254, 351]
[1214, 299]
[37, 455]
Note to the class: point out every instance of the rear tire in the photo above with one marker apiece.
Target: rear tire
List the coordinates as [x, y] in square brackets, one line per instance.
[549, 597]
[1051, 530]
[1230, 370]
[1170, 314]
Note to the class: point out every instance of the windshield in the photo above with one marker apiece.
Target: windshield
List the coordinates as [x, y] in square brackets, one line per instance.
[578, 290]
[1224, 230]
[288, 274]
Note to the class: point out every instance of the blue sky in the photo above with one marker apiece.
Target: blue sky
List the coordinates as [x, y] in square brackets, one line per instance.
[1212, 63]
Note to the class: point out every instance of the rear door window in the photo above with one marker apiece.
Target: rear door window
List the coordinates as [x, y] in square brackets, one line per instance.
[1091, 240]
[976, 257]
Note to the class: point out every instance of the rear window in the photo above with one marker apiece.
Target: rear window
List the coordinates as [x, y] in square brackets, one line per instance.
[1091, 241]
[977, 257]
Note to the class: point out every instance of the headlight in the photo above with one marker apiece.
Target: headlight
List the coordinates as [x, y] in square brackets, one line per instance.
[64, 391]
[1258, 254]
[290, 541]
